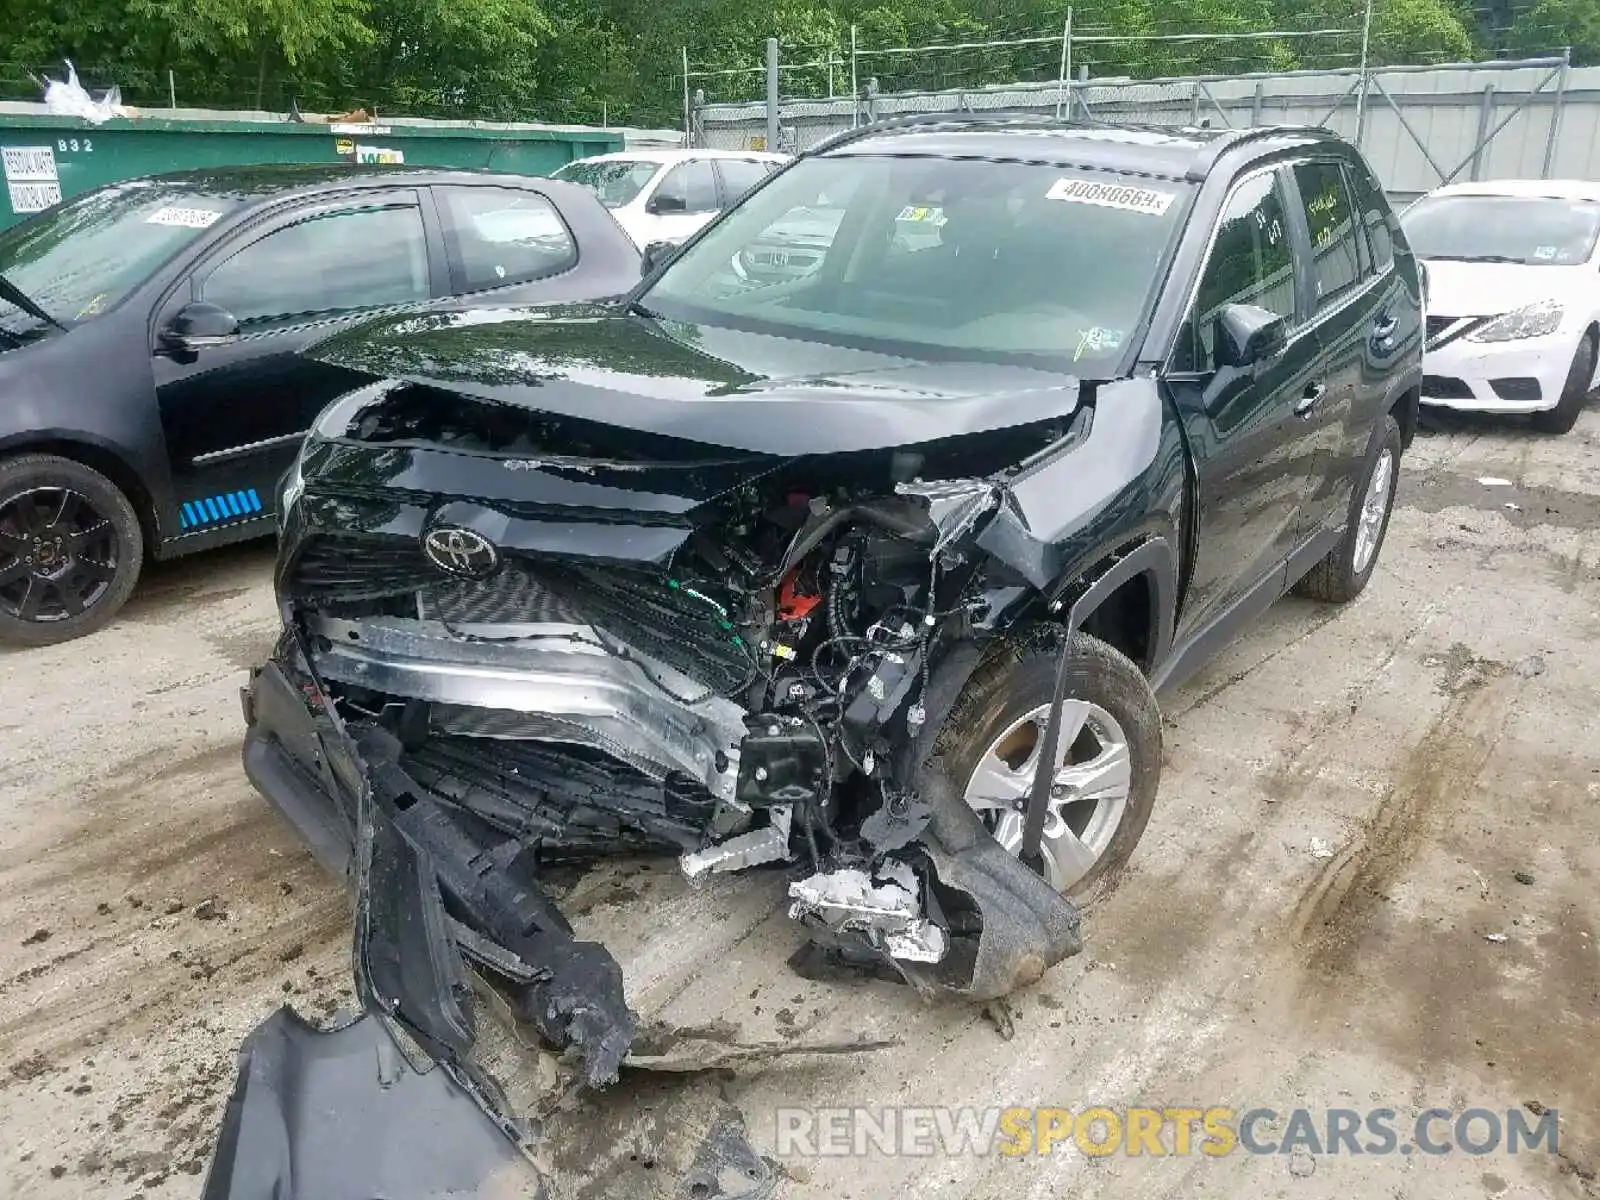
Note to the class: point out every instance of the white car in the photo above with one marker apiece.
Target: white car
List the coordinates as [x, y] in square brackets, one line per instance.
[1513, 296]
[667, 195]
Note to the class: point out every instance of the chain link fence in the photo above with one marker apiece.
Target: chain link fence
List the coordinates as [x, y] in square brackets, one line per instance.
[1419, 125]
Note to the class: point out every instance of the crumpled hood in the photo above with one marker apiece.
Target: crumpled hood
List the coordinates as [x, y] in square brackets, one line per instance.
[710, 385]
[1467, 289]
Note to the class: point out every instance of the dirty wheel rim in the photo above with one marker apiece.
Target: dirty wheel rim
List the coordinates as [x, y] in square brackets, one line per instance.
[1369, 526]
[1092, 778]
[58, 554]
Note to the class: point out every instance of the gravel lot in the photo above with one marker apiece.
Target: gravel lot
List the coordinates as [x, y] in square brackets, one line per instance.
[1353, 800]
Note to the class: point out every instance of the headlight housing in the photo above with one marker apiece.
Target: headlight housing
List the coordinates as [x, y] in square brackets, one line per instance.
[1535, 320]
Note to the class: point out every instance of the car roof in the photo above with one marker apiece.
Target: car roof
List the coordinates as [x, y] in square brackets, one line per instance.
[1170, 151]
[1553, 189]
[677, 156]
[257, 184]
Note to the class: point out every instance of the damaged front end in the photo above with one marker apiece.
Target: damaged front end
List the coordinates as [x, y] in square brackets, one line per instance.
[517, 638]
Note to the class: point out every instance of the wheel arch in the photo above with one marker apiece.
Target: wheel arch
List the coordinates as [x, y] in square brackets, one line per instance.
[97, 457]
[1127, 598]
[1406, 409]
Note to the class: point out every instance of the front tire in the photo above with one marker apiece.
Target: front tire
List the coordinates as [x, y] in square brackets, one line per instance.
[1109, 756]
[70, 550]
[1343, 574]
[1574, 395]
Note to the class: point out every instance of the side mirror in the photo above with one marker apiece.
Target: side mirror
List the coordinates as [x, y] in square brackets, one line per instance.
[198, 326]
[667, 202]
[1247, 335]
[656, 254]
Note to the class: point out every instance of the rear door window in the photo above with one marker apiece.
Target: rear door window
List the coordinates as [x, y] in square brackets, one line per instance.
[739, 175]
[689, 187]
[1330, 220]
[498, 236]
[332, 262]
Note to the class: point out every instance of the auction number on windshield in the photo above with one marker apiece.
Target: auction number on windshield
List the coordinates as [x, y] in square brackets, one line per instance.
[73, 145]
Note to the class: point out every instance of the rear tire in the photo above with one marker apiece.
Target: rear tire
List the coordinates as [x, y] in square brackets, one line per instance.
[1113, 761]
[1574, 395]
[1342, 576]
[70, 550]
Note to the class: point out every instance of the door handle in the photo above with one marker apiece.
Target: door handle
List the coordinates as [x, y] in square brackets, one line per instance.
[1309, 398]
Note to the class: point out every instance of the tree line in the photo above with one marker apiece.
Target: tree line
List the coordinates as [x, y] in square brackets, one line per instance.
[620, 60]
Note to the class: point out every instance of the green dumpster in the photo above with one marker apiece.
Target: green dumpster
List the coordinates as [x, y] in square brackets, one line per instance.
[46, 158]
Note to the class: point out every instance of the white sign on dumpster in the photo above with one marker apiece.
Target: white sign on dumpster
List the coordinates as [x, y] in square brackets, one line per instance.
[31, 180]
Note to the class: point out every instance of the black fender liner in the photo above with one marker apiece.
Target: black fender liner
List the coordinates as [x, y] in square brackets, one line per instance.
[1152, 556]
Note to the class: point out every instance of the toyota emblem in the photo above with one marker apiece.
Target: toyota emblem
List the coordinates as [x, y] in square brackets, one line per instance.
[461, 552]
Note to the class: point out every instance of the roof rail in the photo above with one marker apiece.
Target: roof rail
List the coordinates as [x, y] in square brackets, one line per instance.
[1206, 157]
[1016, 116]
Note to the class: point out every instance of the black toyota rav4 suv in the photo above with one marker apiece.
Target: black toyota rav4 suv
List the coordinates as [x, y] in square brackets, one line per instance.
[858, 539]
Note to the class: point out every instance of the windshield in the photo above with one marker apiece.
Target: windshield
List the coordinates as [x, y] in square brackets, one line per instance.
[1535, 230]
[935, 258]
[616, 181]
[81, 257]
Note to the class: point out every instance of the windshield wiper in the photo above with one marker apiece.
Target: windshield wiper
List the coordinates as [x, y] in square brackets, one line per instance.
[1485, 258]
[10, 291]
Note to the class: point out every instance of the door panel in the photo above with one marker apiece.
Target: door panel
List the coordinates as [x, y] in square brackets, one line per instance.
[234, 414]
[1252, 461]
[1349, 327]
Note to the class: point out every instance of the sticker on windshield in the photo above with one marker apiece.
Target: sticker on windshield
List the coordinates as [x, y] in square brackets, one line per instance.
[1112, 195]
[1097, 341]
[1545, 253]
[183, 218]
[915, 212]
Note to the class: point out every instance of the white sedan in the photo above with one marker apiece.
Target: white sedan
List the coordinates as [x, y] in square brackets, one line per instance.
[667, 195]
[1513, 296]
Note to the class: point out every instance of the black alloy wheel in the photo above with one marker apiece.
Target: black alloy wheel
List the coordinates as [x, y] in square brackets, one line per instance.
[70, 549]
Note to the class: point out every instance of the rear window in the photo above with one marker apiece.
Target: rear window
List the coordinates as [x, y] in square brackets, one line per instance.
[500, 236]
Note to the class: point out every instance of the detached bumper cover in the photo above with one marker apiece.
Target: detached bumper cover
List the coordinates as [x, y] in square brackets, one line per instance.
[345, 1116]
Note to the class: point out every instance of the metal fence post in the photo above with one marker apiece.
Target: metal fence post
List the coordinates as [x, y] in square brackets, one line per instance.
[772, 94]
[1361, 96]
[688, 114]
[1555, 112]
[855, 88]
[1255, 104]
[1065, 73]
[1485, 115]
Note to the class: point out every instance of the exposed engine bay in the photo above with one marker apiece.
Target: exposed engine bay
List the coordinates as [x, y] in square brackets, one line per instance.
[768, 691]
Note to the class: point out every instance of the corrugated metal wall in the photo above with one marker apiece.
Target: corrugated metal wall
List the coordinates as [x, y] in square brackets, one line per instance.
[1484, 121]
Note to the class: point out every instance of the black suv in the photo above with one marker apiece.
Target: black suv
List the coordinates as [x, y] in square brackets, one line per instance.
[818, 566]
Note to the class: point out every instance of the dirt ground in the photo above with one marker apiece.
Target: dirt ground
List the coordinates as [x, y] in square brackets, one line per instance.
[1371, 881]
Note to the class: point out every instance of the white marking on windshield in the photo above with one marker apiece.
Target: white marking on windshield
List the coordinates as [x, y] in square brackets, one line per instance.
[1112, 195]
[183, 218]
